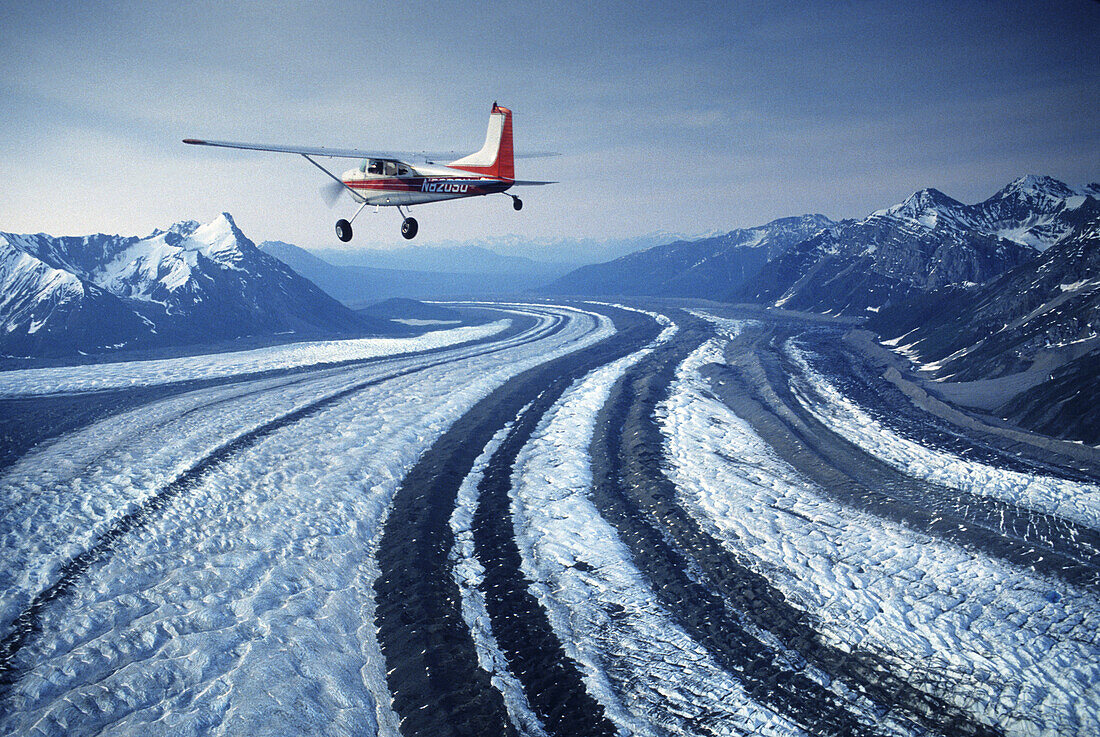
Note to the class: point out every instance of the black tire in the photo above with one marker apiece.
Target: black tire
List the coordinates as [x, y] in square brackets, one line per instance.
[517, 203]
[409, 228]
[343, 230]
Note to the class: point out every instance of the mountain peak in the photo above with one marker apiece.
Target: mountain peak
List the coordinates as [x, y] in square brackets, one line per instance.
[927, 206]
[1033, 184]
[932, 197]
[189, 283]
[221, 240]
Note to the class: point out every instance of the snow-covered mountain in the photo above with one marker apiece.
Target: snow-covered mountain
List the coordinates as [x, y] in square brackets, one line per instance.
[927, 242]
[712, 267]
[1038, 323]
[859, 266]
[1031, 210]
[187, 284]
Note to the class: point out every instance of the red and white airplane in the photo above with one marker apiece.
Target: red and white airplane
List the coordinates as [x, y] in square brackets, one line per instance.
[387, 178]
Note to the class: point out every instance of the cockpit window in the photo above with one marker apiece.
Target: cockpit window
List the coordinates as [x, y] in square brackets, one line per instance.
[402, 170]
[391, 168]
[374, 167]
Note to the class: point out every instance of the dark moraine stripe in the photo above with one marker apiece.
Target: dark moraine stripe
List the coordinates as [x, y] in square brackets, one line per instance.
[720, 601]
[535, 656]
[437, 685]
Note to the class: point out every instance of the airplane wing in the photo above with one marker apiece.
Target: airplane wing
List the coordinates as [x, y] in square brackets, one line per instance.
[336, 153]
[349, 153]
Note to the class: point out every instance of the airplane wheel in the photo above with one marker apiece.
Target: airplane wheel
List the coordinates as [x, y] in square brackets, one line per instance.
[343, 230]
[517, 203]
[409, 228]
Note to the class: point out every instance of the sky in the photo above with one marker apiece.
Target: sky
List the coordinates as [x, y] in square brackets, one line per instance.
[679, 116]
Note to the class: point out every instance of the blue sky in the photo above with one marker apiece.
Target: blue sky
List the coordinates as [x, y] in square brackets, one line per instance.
[680, 116]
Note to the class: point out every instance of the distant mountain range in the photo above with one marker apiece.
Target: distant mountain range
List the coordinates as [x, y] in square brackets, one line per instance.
[999, 301]
[191, 283]
[711, 268]
[549, 255]
[852, 267]
[467, 272]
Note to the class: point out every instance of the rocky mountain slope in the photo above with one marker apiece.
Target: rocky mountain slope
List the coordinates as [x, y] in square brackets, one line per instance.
[1036, 328]
[188, 284]
[856, 267]
[711, 268]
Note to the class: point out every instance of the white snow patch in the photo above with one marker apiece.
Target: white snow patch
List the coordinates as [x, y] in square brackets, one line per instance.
[1079, 285]
[416, 322]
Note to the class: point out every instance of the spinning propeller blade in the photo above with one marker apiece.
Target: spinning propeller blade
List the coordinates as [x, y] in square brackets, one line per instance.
[331, 192]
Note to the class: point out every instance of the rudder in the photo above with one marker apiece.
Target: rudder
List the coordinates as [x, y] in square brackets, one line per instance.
[496, 157]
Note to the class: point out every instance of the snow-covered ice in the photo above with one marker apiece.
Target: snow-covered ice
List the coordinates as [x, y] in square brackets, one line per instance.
[121, 375]
[1067, 499]
[1003, 643]
[246, 603]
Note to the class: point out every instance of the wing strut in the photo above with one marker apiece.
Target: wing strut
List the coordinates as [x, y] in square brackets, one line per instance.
[358, 197]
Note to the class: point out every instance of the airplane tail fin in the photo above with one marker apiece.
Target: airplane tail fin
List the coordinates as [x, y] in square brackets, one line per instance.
[495, 158]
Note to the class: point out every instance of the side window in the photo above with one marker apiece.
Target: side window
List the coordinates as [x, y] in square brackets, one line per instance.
[391, 169]
[402, 170]
[375, 166]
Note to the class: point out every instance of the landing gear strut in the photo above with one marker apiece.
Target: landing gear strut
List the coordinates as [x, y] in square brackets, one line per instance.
[343, 227]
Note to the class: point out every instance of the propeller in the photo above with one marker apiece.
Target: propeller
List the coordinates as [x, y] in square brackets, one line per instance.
[331, 192]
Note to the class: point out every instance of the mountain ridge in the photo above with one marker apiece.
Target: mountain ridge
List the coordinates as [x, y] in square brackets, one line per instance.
[188, 283]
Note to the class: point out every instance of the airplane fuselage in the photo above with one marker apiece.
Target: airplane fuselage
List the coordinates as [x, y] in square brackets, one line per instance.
[414, 185]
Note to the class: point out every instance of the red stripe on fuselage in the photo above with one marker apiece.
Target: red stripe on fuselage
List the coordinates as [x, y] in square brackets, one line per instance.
[435, 185]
